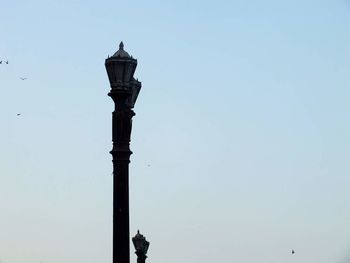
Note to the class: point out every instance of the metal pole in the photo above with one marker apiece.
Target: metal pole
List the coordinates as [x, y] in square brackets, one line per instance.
[121, 131]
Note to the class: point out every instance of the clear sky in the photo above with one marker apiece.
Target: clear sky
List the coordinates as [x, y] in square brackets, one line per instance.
[241, 135]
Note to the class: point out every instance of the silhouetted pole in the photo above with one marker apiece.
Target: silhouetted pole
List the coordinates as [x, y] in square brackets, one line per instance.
[141, 245]
[124, 91]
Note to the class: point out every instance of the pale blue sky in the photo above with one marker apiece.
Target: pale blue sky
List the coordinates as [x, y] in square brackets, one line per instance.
[243, 118]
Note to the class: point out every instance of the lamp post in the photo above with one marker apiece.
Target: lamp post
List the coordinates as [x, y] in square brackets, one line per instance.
[141, 245]
[124, 91]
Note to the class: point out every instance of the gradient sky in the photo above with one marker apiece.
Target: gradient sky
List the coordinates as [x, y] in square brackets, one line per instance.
[243, 118]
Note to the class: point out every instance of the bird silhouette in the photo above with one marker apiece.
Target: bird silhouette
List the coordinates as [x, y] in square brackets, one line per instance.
[0, 61]
[293, 252]
[7, 62]
[22, 78]
[18, 114]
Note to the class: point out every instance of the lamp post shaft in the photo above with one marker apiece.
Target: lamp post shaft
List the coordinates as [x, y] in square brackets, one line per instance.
[141, 257]
[121, 249]
[121, 132]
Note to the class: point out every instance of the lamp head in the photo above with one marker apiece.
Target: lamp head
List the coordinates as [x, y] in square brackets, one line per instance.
[120, 69]
[140, 243]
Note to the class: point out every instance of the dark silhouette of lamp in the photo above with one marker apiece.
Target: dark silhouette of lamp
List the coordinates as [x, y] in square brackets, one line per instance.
[141, 245]
[120, 69]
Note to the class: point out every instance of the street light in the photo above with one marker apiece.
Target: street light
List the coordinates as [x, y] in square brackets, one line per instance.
[141, 245]
[120, 69]
[124, 91]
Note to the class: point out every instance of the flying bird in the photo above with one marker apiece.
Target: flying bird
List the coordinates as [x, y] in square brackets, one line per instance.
[293, 252]
[0, 61]
[7, 62]
[22, 78]
[18, 114]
